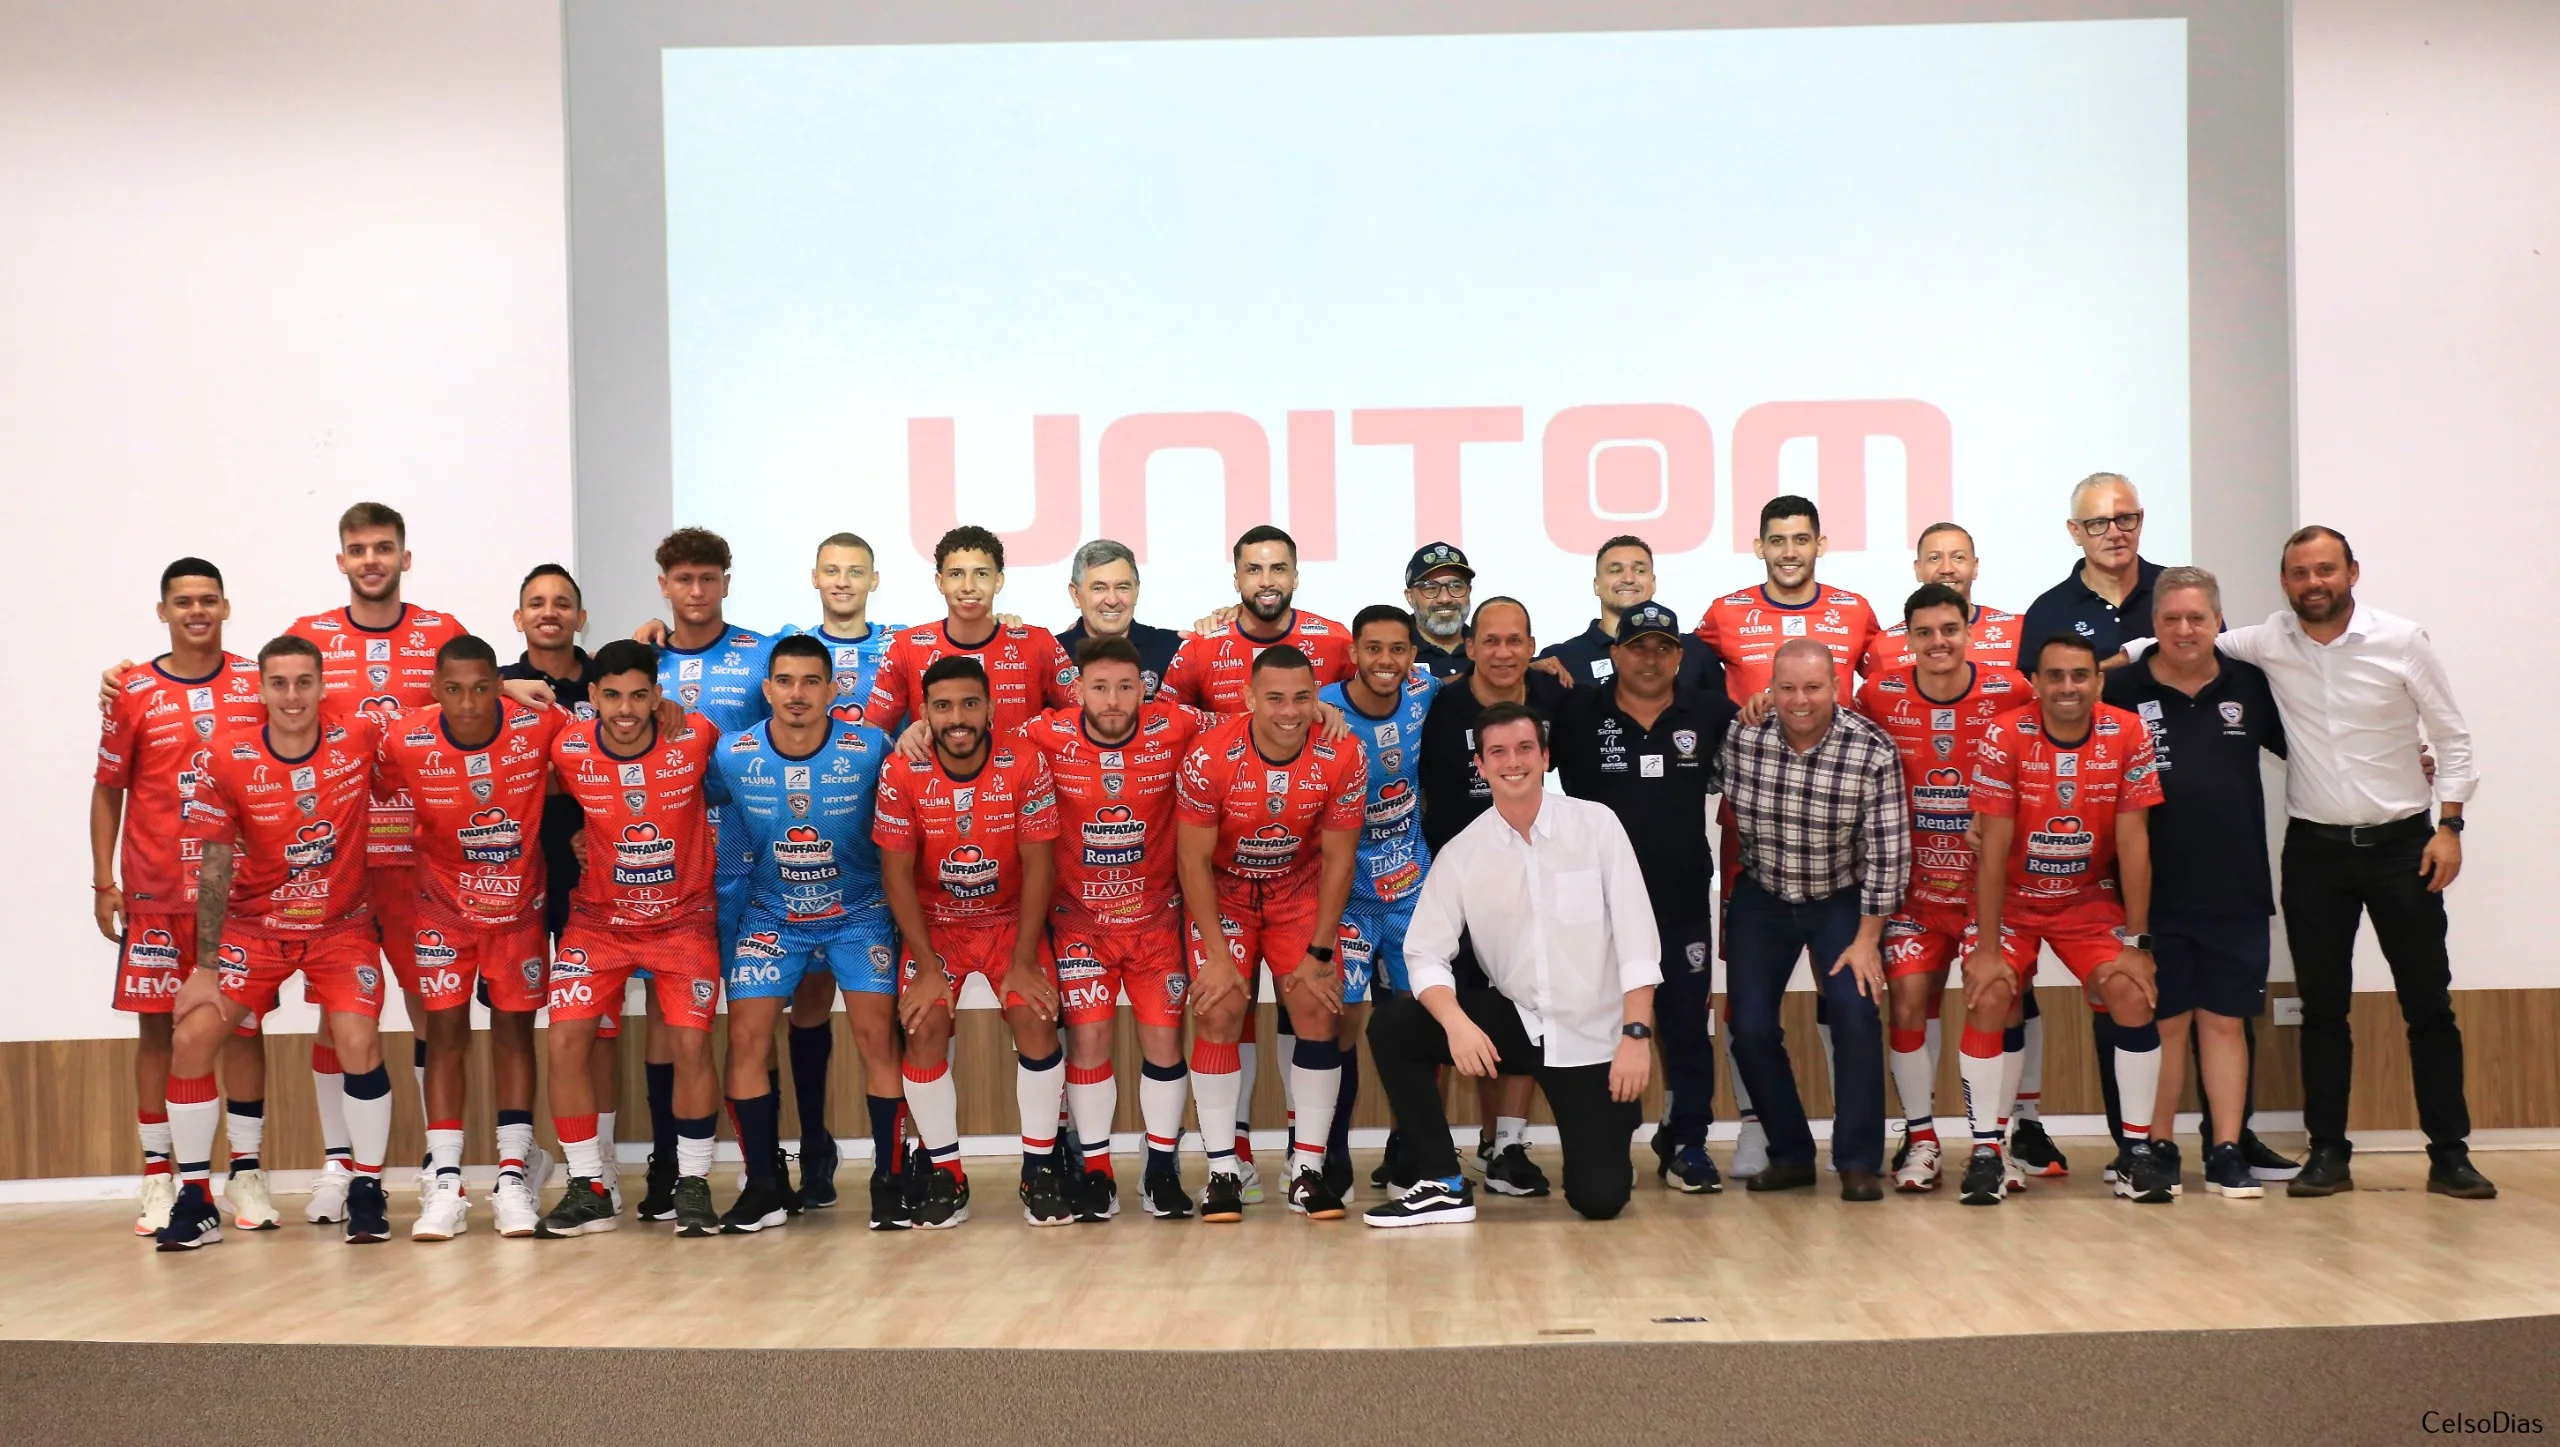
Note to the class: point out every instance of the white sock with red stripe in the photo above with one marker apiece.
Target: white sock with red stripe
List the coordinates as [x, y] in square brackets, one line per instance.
[444, 1148]
[1093, 1098]
[1915, 1079]
[1215, 1081]
[193, 1111]
[1315, 1083]
[580, 1142]
[329, 1088]
[515, 1141]
[934, 1105]
[1163, 1090]
[152, 1127]
[369, 1120]
[1039, 1090]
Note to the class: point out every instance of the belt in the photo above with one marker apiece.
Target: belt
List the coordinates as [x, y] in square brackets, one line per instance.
[2366, 836]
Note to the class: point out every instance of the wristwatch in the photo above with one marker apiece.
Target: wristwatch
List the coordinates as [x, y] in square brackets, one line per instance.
[1636, 1030]
[2453, 822]
[2138, 942]
[1321, 952]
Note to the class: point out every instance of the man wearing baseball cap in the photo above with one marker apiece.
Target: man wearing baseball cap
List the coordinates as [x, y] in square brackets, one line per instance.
[1644, 743]
[1439, 588]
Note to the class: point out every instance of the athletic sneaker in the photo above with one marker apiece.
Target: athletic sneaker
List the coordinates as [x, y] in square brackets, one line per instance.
[1249, 1181]
[251, 1208]
[537, 1171]
[443, 1213]
[946, 1200]
[1920, 1167]
[1165, 1199]
[658, 1201]
[610, 1179]
[1986, 1178]
[1097, 1198]
[2227, 1173]
[2166, 1153]
[1222, 1197]
[1750, 1151]
[193, 1221]
[2017, 1175]
[1431, 1202]
[159, 1193]
[889, 1203]
[758, 1206]
[1902, 1152]
[2034, 1150]
[783, 1190]
[818, 1157]
[1512, 1173]
[329, 1194]
[368, 1211]
[1390, 1159]
[518, 1210]
[1310, 1197]
[2265, 1161]
[585, 1208]
[1044, 1198]
[2142, 1177]
[1692, 1172]
[694, 1214]
[1339, 1177]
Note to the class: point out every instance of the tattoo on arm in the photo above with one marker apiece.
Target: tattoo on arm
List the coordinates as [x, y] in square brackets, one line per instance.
[213, 900]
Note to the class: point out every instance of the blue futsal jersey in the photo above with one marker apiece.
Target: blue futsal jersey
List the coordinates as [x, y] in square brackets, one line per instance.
[1392, 854]
[723, 682]
[856, 660]
[813, 881]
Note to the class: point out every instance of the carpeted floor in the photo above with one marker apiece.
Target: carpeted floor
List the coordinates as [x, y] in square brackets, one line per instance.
[2343, 1384]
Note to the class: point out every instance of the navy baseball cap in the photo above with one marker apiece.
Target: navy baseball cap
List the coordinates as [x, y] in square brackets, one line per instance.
[1647, 618]
[1431, 558]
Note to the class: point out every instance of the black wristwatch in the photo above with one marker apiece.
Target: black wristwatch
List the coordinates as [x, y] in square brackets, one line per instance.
[2452, 822]
[1321, 952]
[1636, 1030]
[2138, 942]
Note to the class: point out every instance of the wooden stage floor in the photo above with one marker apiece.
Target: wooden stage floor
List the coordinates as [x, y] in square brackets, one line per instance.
[2064, 1257]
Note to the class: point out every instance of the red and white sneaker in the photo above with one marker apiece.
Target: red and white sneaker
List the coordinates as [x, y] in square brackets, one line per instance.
[1921, 1169]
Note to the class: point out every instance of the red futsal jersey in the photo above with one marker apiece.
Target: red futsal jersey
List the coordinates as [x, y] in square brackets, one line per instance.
[649, 849]
[1269, 813]
[1026, 672]
[967, 833]
[385, 672]
[1214, 671]
[1746, 628]
[154, 744]
[297, 826]
[1937, 742]
[1115, 816]
[1993, 644]
[2065, 800]
[479, 813]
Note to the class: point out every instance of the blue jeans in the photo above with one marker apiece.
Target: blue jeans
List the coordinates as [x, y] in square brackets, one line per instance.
[1763, 935]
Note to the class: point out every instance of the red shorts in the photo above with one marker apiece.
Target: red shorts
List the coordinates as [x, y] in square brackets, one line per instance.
[340, 970]
[594, 967]
[1926, 939]
[2085, 935]
[158, 952]
[1095, 966]
[985, 950]
[395, 914]
[451, 960]
[1263, 924]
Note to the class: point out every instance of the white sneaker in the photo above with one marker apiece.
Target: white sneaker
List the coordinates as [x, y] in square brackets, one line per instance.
[1750, 1151]
[2017, 1173]
[537, 1171]
[517, 1208]
[159, 1194]
[329, 1194]
[1920, 1169]
[612, 1178]
[251, 1208]
[445, 1213]
[1251, 1175]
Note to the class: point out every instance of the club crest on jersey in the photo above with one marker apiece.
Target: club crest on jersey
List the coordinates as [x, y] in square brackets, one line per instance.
[798, 804]
[1686, 742]
[643, 855]
[1697, 955]
[309, 804]
[691, 693]
[967, 873]
[2066, 790]
[763, 944]
[369, 980]
[880, 959]
[1391, 761]
[1112, 784]
[2230, 710]
[482, 789]
[1114, 837]
[204, 726]
[703, 991]
[532, 971]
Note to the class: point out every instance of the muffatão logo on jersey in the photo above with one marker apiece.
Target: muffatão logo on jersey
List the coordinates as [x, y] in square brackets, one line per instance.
[643, 855]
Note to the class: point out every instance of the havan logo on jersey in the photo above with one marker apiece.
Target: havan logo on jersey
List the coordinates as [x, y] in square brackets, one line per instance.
[643, 856]
[1114, 838]
[967, 873]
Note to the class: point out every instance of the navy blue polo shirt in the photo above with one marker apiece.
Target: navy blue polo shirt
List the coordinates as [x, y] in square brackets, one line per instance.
[1155, 649]
[1656, 780]
[1444, 663]
[1586, 657]
[2209, 833]
[2070, 607]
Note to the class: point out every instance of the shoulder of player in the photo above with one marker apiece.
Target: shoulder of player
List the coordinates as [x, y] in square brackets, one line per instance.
[1316, 625]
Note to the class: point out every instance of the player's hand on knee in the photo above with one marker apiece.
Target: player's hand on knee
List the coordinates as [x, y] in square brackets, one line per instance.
[917, 998]
[2135, 969]
[1033, 986]
[1213, 984]
[1986, 974]
[1318, 983]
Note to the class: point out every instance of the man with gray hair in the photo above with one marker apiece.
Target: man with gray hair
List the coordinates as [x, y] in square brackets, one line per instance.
[1102, 581]
[2107, 599]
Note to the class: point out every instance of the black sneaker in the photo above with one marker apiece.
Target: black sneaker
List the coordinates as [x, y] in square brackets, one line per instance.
[1222, 1197]
[783, 1190]
[1693, 1173]
[2227, 1173]
[2034, 1151]
[2265, 1161]
[817, 1173]
[2327, 1173]
[1339, 1177]
[1384, 1177]
[1512, 1173]
[1986, 1177]
[2173, 1162]
[1166, 1201]
[694, 1216]
[194, 1221]
[758, 1206]
[889, 1202]
[945, 1200]
[368, 1212]
[1044, 1198]
[1097, 1198]
[658, 1202]
[1310, 1197]
[2141, 1176]
[2456, 1177]
[585, 1207]
[1665, 1151]
[1425, 1203]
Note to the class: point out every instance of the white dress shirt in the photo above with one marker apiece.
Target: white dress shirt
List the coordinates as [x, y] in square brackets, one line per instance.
[1560, 923]
[2355, 710]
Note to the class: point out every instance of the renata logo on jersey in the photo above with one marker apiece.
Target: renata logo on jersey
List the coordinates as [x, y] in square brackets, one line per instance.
[2061, 848]
[643, 856]
[313, 846]
[967, 873]
[492, 837]
[1114, 838]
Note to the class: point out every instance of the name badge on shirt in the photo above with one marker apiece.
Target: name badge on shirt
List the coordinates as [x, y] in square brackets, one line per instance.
[1649, 766]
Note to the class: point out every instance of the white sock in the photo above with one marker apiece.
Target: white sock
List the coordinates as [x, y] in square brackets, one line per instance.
[1916, 1081]
[330, 1087]
[369, 1131]
[694, 1153]
[586, 1157]
[444, 1151]
[515, 1144]
[934, 1105]
[1160, 1104]
[1093, 1104]
[1316, 1088]
[1509, 1131]
[1244, 1086]
[2137, 1085]
[191, 1135]
[2031, 1070]
[155, 1134]
[247, 1133]
[1039, 1093]
[1215, 1093]
[604, 1145]
[2012, 1062]
[1983, 1104]
[1935, 1047]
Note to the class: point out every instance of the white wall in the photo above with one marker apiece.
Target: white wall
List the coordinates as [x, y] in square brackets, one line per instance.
[258, 260]
[2427, 292]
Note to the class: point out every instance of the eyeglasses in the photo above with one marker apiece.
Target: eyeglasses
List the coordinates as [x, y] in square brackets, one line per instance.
[2121, 522]
[1449, 588]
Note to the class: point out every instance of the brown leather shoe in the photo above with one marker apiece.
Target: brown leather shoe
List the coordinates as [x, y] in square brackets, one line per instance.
[1861, 1186]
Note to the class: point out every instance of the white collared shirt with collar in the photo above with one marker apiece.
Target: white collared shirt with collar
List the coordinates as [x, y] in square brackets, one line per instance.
[1560, 923]
[2355, 710]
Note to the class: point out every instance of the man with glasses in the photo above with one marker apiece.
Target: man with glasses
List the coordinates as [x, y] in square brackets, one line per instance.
[2113, 582]
[1439, 586]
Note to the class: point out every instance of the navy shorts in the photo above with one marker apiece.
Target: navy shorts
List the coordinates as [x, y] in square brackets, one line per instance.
[2216, 965]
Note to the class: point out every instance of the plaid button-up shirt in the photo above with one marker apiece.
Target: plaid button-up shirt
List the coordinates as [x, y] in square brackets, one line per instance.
[1814, 824]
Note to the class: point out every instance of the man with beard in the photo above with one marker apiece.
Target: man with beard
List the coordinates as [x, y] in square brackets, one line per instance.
[1438, 584]
[1212, 669]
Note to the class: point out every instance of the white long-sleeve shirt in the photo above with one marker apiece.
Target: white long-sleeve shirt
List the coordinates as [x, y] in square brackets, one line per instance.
[1560, 923]
[2355, 711]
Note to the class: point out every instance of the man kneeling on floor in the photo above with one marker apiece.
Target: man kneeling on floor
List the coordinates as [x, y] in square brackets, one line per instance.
[1549, 889]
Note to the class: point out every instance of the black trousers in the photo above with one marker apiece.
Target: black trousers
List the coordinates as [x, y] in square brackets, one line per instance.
[1681, 1006]
[2329, 885]
[1408, 1046]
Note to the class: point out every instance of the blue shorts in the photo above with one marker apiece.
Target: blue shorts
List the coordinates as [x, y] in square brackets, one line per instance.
[770, 957]
[1372, 948]
[2211, 964]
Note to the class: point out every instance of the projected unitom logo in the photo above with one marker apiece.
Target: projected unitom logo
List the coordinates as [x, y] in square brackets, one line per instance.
[1608, 469]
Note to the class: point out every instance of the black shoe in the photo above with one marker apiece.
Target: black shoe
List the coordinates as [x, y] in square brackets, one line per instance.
[1986, 1178]
[658, 1202]
[2227, 1173]
[368, 1211]
[694, 1215]
[1512, 1173]
[1693, 1172]
[1097, 1198]
[2265, 1161]
[1338, 1174]
[945, 1202]
[783, 1190]
[1310, 1197]
[2457, 1178]
[2165, 1152]
[2035, 1152]
[817, 1173]
[1425, 1203]
[2142, 1177]
[194, 1221]
[1861, 1185]
[1664, 1151]
[1163, 1193]
[585, 1207]
[1222, 1198]
[760, 1205]
[1384, 1177]
[2327, 1173]
[1044, 1198]
[889, 1202]
[1783, 1178]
